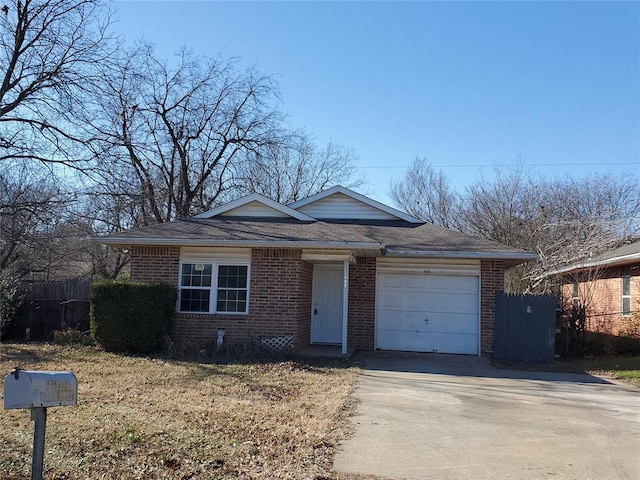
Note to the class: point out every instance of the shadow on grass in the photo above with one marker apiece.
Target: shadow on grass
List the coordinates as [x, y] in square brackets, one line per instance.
[24, 353]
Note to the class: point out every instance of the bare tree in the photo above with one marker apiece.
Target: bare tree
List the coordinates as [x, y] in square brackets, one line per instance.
[426, 193]
[48, 52]
[295, 169]
[28, 201]
[563, 220]
[169, 135]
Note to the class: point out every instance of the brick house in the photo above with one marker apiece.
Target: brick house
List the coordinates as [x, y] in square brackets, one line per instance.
[609, 286]
[336, 268]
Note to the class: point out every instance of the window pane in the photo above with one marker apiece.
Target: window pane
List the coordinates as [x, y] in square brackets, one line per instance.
[626, 285]
[575, 289]
[194, 300]
[223, 276]
[626, 306]
[196, 275]
[242, 277]
[230, 276]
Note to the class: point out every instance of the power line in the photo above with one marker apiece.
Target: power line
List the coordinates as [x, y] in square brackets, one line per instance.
[508, 165]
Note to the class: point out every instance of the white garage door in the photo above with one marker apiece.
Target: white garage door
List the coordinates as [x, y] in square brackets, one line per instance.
[427, 313]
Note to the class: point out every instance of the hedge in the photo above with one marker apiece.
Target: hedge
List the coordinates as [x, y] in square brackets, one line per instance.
[130, 316]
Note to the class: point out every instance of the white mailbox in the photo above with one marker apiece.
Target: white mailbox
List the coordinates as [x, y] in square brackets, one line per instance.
[33, 389]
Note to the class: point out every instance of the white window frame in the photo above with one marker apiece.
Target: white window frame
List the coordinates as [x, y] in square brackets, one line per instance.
[213, 289]
[625, 278]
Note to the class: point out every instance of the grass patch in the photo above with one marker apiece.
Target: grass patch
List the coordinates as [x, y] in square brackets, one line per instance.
[141, 417]
[626, 369]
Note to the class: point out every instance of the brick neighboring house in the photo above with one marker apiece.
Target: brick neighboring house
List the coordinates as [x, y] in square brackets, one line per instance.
[335, 268]
[609, 286]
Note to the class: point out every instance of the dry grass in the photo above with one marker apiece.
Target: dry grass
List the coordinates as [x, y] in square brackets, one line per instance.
[153, 418]
[626, 369]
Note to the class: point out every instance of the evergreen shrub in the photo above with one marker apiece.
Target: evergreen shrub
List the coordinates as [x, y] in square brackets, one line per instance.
[132, 317]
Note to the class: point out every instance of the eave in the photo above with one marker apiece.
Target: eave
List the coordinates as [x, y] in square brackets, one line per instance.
[124, 242]
[463, 254]
[594, 264]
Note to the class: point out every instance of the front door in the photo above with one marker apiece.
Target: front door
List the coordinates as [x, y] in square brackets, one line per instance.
[326, 323]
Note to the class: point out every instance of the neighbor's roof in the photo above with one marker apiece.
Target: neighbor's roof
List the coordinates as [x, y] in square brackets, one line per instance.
[382, 237]
[627, 254]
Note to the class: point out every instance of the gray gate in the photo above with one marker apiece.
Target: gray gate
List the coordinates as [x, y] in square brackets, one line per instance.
[525, 327]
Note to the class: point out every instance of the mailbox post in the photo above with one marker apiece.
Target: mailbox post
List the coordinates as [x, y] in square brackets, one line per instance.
[37, 391]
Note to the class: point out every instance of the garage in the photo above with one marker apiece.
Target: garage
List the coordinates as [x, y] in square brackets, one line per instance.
[428, 308]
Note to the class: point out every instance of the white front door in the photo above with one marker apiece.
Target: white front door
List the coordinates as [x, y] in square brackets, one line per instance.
[326, 320]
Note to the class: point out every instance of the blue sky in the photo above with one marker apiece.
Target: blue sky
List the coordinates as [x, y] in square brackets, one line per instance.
[468, 85]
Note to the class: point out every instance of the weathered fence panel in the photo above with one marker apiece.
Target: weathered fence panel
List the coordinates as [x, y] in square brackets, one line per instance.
[525, 327]
[49, 306]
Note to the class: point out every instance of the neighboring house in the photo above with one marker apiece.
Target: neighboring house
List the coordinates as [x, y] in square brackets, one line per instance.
[608, 285]
[335, 268]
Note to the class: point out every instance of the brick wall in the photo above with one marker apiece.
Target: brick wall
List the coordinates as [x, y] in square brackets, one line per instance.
[279, 297]
[602, 293]
[280, 302]
[362, 303]
[491, 281]
[155, 264]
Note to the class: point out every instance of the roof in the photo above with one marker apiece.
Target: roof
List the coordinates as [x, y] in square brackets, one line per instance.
[397, 238]
[625, 255]
[256, 221]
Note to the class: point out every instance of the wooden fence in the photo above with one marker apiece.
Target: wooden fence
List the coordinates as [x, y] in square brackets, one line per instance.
[525, 327]
[51, 306]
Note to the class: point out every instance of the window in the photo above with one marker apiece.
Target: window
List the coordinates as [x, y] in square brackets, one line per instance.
[232, 289]
[626, 295]
[214, 288]
[196, 277]
[576, 295]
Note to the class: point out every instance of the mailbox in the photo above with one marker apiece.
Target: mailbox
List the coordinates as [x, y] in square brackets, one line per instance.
[33, 389]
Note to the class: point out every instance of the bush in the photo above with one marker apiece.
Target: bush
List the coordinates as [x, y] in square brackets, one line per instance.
[604, 345]
[72, 336]
[131, 316]
[11, 298]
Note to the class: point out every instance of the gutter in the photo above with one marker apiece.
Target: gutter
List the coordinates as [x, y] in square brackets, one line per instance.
[193, 242]
[463, 254]
[602, 263]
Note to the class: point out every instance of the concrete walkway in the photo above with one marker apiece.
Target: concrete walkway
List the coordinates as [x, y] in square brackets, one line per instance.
[426, 416]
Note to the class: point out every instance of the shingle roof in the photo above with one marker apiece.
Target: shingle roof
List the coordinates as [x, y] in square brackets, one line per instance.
[391, 237]
[629, 253]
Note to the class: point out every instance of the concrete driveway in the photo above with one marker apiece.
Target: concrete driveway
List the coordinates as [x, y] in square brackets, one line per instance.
[426, 416]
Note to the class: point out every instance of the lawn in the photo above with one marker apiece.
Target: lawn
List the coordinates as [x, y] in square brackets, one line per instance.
[626, 369]
[156, 418]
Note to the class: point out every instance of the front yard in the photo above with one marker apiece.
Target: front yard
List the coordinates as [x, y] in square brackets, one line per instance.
[143, 418]
[626, 369]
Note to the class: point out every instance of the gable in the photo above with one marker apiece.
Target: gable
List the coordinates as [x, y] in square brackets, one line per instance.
[254, 205]
[340, 203]
[254, 209]
[340, 206]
